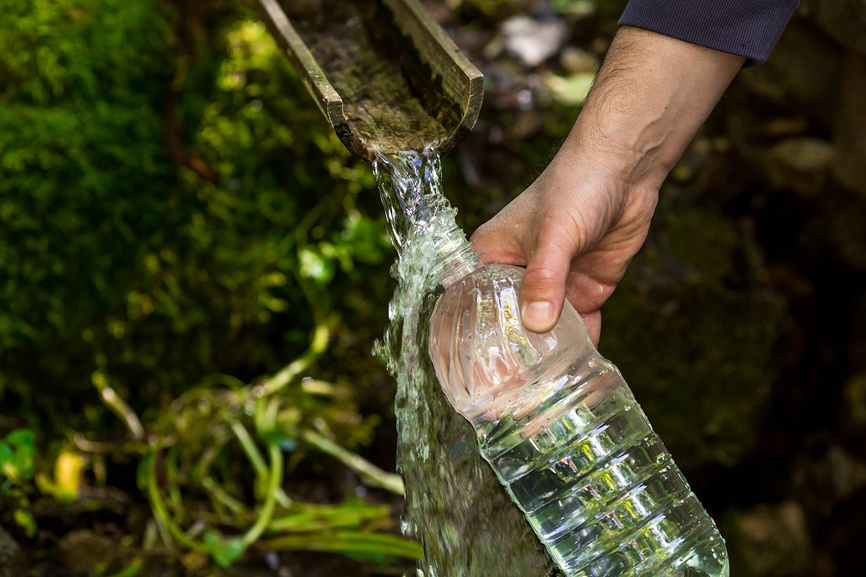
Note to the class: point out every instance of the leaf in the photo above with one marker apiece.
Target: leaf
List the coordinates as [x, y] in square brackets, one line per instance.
[22, 438]
[131, 570]
[223, 551]
[570, 90]
[17, 452]
[574, 7]
[376, 547]
[6, 456]
[68, 476]
[143, 471]
[24, 519]
[314, 266]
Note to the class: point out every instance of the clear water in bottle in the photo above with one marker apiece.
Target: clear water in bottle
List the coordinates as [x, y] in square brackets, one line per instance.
[564, 434]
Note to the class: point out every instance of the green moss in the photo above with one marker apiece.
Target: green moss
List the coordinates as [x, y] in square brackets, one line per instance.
[692, 328]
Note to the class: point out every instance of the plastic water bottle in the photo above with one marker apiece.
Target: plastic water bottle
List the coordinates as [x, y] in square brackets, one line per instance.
[563, 432]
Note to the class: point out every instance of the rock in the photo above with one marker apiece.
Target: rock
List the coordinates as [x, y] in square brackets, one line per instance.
[533, 41]
[12, 560]
[845, 232]
[855, 395]
[849, 137]
[824, 480]
[527, 123]
[302, 8]
[799, 164]
[438, 10]
[577, 61]
[844, 20]
[83, 549]
[848, 474]
[773, 540]
[803, 73]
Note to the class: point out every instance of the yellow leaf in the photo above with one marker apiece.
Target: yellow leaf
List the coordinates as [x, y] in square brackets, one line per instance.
[68, 474]
[570, 90]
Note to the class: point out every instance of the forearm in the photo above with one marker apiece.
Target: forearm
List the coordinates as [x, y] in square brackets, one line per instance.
[651, 96]
[579, 224]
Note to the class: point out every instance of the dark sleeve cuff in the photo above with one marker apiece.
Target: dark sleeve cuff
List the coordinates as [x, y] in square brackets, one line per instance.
[747, 28]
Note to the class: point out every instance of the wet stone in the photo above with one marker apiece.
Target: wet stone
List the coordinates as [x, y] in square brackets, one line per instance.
[845, 21]
[533, 41]
[800, 164]
[83, 549]
[12, 560]
[774, 540]
[803, 74]
[577, 61]
[850, 132]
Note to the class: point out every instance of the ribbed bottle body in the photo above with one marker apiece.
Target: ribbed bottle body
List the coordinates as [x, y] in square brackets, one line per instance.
[567, 439]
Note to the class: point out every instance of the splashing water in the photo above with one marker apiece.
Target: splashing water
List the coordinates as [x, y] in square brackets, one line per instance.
[454, 504]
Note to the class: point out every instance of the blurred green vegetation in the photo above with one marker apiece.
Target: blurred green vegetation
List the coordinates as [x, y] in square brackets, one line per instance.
[143, 285]
[116, 261]
[17, 467]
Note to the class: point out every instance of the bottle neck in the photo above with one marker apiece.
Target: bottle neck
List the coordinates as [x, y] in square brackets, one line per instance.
[455, 258]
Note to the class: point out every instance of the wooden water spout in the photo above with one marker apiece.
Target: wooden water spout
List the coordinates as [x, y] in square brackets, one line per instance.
[382, 71]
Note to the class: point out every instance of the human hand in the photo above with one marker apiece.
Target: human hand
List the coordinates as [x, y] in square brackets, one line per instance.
[579, 224]
[575, 228]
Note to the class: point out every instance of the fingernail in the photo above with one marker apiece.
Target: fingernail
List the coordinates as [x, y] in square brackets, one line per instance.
[537, 316]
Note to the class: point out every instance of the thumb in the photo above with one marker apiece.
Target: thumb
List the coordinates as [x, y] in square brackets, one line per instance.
[543, 289]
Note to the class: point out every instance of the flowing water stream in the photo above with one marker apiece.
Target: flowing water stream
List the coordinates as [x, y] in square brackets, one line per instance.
[454, 504]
